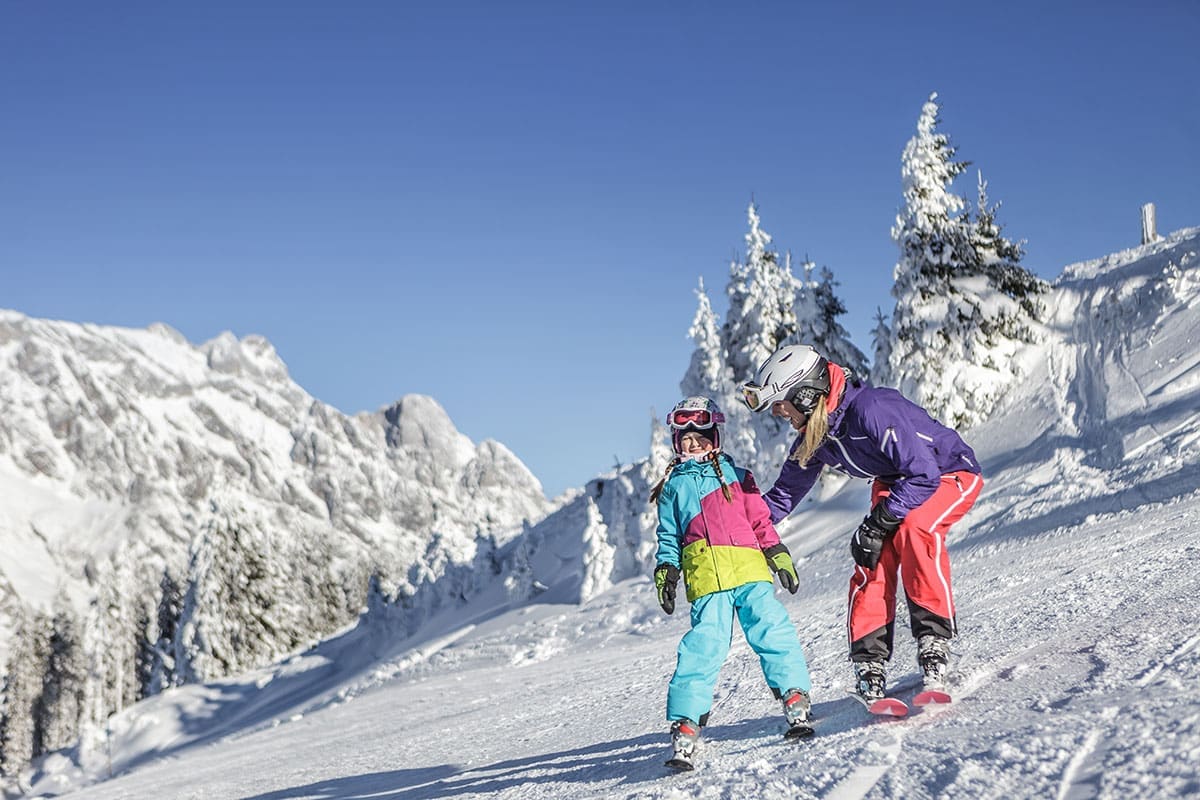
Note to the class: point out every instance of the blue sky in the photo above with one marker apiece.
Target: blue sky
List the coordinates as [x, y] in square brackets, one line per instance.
[507, 206]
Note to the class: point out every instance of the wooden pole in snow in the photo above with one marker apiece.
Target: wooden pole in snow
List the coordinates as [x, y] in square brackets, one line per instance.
[1149, 234]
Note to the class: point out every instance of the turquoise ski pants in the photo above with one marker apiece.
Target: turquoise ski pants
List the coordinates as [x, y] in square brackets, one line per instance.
[702, 651]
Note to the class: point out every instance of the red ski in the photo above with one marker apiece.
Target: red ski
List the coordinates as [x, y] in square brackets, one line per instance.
[883, 707]
[931, 697]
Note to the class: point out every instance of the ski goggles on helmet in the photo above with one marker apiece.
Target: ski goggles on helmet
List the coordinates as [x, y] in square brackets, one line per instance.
[682, 418]
[757, 397]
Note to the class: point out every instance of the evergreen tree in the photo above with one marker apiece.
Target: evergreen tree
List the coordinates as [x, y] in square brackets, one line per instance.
[882, 339]
[817, 308]
[231, 617]
[963, 303]
[710, 375]
[1000, 260]
[762, 294]
[768, 308]
[157, 656]
[931, 238]
[23, 677]
[519, 583]
[58, 710]
[762, 317]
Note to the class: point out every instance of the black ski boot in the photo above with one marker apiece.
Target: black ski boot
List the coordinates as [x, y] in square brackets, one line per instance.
[796, 707]
[684, 736]
[933, 654]
[872, 678]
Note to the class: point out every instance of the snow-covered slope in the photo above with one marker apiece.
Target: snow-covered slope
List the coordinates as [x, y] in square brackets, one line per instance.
[1078, 667]
[115, 443]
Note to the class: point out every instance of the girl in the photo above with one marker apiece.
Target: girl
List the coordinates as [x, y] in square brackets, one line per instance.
[715, 530]
[925, 479]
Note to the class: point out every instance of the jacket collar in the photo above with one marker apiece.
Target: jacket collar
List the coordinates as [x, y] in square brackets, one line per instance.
[699, 464]
[845, 387]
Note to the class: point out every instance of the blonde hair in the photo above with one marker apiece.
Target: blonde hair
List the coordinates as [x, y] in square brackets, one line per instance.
[814, 432]
[714, 456]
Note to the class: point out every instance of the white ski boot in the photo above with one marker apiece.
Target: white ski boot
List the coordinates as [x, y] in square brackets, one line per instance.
[684, 736]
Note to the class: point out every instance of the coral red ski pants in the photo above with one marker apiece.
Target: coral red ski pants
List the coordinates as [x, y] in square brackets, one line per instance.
[917, 551]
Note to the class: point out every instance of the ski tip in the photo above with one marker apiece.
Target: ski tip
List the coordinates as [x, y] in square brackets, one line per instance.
[888, 707]
[679, 764]
[884, 707]
[931, 697]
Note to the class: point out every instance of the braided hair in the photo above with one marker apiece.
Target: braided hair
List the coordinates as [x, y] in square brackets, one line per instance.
[714, 456]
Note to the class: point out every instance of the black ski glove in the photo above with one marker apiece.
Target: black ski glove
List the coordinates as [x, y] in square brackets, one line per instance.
[665, 578]
[867, 542]
[780, 561]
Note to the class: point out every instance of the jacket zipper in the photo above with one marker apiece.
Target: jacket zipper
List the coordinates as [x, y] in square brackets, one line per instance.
[707, 540]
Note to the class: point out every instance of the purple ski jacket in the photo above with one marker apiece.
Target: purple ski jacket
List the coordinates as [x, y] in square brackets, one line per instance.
[877, 433]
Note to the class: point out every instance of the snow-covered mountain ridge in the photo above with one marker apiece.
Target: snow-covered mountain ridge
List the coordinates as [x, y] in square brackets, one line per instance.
[115, 443]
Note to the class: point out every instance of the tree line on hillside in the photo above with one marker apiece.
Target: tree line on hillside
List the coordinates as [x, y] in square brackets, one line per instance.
[247, 596]
[964, 307]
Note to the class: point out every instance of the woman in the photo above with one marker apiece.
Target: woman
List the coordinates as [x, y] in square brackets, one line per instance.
[925, 479]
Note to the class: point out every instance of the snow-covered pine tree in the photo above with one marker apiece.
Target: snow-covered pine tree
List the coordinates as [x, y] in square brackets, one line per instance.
[231, 618]
[58, 710]
[964, 305]
[518, 584]
[769, 307]
[932, 240]
[23, 676]
[762, 293]
[159, 673]
[661, 452]
[762, 317]
[817, 309]
[121, 615]
[881, 336]
[1000, 260]
[708, 372]
[709, 375]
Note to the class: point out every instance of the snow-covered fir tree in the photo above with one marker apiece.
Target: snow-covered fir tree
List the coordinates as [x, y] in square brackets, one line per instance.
[932, 241]
[881, 337]
[158, 664]
[518, 583]
[232, 615]
[24, 675]
[964, 306]
[762, 293]
[59, 709]
[710, 375]
[817, 308]
[769, 307]
[118, 624]
[762, 317]
[1000, 260]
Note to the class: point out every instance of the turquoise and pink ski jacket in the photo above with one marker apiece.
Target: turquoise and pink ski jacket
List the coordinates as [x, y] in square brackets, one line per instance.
[717, 544]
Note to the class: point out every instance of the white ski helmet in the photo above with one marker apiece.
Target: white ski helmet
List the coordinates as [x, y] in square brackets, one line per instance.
[795, 373]
[695, 413]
